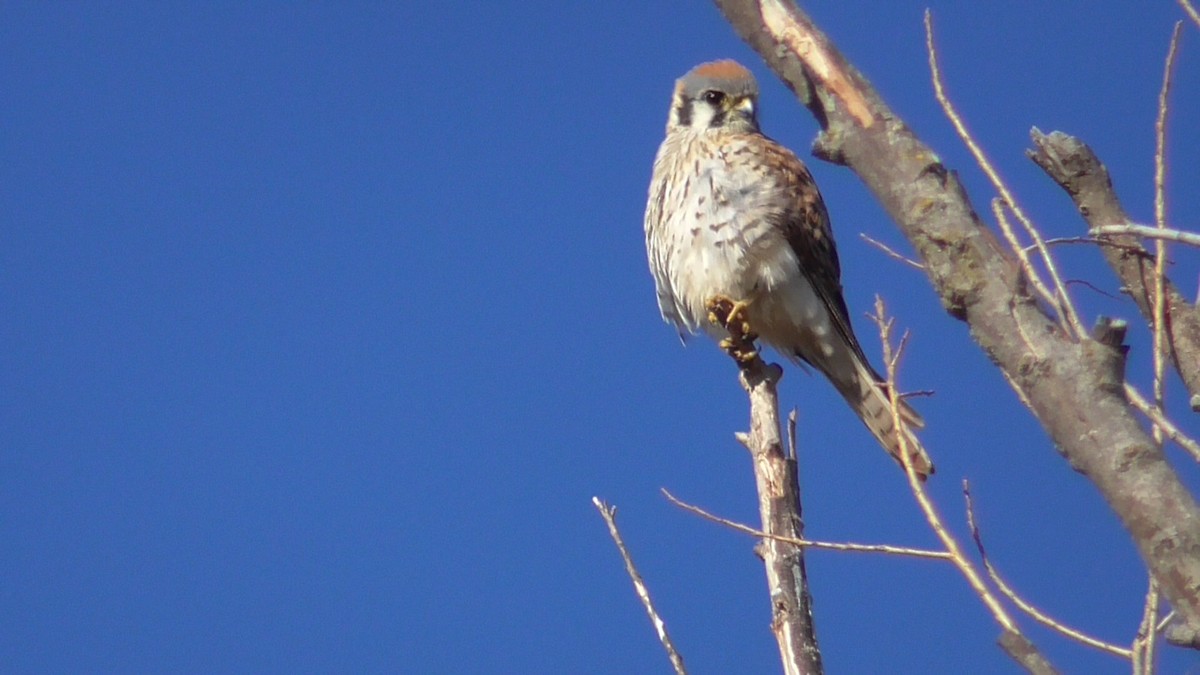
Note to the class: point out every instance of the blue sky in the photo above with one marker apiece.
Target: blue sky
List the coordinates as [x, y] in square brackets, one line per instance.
[322, 324]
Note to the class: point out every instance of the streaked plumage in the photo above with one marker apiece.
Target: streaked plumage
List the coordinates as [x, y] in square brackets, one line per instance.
[732, 213]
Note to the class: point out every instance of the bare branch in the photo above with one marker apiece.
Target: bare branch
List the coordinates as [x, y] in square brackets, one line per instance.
[1011, 639]
[1147, 635]
[1073, 385]
[1062, 301]
[778, 499]
[1159, 420]
[808, 543]
[1038, 615]
[1189, 238]
[1160, 221]
[1191, 11]
[892, 253]
[1035, 280]
[1075, 167]
[609, 513]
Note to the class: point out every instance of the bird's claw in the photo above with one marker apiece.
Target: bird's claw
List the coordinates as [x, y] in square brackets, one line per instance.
[742, 352]
[731, 315]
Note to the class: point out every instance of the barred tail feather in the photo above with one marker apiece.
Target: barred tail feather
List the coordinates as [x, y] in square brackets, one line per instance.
[868, 396]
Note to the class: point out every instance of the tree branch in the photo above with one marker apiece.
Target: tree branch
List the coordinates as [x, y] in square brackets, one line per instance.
[1022, 604]
[1072, 384]
[808, 543]
[778, 502]
[1012, 641]
[609, 514]
[1074, 166]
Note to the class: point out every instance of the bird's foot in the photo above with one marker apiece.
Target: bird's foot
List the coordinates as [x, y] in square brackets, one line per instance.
[731, 315]
[742, 352]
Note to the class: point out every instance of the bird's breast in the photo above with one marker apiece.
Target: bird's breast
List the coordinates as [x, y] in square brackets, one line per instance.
[723, 240]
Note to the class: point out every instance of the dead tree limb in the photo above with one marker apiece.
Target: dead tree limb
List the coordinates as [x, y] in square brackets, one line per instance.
[1074, 385]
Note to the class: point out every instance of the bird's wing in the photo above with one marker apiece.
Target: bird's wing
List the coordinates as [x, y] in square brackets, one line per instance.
[805, 225]
[658, 246]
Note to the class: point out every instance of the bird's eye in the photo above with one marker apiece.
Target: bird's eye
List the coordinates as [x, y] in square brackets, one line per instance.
[713, 97]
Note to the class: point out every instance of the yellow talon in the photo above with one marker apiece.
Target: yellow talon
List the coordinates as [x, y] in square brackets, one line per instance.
[731, 316]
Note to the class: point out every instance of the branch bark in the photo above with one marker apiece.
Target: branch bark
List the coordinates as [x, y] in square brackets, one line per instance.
[778, 485]
[779, 507]
[1074, 387]
[1074, 166]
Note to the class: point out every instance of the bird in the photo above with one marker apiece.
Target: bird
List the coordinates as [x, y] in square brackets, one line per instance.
[733, 214]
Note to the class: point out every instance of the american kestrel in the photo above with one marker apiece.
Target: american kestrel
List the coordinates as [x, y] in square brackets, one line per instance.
[733, 214]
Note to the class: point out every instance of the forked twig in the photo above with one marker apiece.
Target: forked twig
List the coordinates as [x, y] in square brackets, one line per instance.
[918, 489]
[609, 513]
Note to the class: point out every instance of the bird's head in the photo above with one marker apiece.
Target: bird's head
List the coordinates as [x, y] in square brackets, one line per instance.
[715, 95]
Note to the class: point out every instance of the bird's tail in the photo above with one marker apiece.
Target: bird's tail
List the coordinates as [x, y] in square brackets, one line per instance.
[867, 394]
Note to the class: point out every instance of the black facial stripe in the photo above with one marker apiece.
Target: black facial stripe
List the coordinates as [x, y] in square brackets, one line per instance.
[683, 110]
[718, 118]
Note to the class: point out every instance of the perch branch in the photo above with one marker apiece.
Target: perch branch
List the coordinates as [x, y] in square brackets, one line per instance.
[778, 498]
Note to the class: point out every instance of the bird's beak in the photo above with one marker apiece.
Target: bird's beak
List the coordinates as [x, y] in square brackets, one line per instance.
[743, 107]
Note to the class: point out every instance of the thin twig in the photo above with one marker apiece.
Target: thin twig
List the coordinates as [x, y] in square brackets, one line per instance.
[891, 253]
[1054, 241]
[1159, 419]
[1147, 635]
[1162, 623]
[807, 543]
[1089, 285]
[1010, 236]
[1149, 232]
[1191, 11]
[918, 489]
[609, 513]
[1021, 603]
[1160, 222]
[1012, 640]
[1135, 249]
[791, 433]
[1066, 309]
